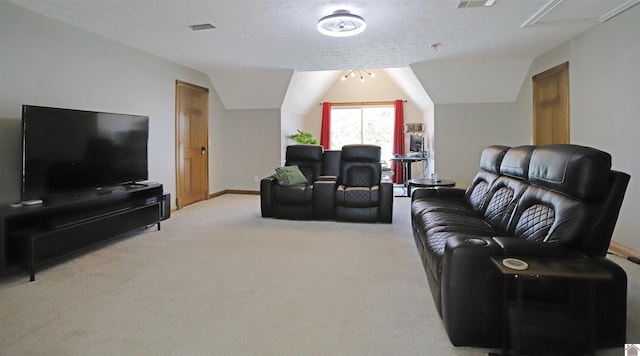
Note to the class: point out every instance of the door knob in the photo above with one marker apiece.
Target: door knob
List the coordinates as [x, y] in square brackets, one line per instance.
[203, 150]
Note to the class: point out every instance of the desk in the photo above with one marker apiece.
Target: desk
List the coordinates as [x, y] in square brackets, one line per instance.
[406, 163]
[569, 269]
[428, 183]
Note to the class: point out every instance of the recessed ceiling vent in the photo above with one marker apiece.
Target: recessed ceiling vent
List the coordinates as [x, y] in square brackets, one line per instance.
[465, 4]
[202, 26]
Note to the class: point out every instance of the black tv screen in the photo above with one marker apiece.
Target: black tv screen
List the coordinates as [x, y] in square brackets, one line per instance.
[69, 151]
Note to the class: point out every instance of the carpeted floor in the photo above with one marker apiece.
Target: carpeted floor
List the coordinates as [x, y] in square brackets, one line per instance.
[220, 280]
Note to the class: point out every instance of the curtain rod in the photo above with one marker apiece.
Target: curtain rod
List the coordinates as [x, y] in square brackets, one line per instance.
[364, 103]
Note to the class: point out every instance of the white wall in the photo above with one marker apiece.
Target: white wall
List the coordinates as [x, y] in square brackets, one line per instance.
[217, 144]
[463, 130]
[380, 88]
[46, 62]
[604, 87]
[252, 139]
[494, 80]
[289, 124]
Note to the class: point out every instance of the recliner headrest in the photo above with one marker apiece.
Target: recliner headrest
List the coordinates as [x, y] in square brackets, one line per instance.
[304, 153]
[362, 153]
[516, 162]
[575, 170]
[492, 157]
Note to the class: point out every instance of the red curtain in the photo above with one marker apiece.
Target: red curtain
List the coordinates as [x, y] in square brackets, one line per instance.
[325, 129]
[398, 141]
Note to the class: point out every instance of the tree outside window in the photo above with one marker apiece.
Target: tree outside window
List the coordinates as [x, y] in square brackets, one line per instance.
[363, 125]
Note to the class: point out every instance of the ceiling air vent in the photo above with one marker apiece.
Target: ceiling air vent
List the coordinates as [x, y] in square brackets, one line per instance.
[465, 4]
[202, 26]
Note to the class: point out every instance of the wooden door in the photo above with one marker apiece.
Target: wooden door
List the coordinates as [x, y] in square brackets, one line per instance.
[192, 148]
[551, 106]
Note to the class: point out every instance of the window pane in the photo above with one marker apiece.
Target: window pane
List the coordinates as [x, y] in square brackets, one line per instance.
[370, 125]
[345, 127]
[378, 129]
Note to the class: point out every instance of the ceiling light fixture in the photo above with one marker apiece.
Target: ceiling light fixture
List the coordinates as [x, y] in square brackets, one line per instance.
[352, 73]
[341, 23]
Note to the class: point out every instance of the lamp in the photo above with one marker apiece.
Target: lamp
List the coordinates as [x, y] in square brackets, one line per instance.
[352, 73]
[341, 23]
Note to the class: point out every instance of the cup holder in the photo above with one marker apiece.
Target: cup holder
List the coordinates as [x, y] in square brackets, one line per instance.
[476, 242]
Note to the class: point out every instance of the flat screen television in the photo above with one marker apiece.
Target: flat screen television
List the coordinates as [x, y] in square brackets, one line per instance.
[68, 151]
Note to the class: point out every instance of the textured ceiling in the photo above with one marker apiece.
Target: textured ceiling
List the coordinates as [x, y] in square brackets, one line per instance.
[279, 36]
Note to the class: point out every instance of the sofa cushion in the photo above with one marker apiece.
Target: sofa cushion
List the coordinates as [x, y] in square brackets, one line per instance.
[292, 195]
[304, 153]
[476, 196]
[360, 165]
[307, 157]
[358, 197]
[490, 162]
[331, 163]
[571, 169]
[360, 153]
[516, 162]
[491, 158]
[360, 176]
[436, 203]
[547, 216]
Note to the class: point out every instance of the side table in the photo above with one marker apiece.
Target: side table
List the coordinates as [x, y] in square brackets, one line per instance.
[569, 269]
[428, 183]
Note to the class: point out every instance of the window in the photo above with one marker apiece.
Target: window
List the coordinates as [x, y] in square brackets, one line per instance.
[369, 125]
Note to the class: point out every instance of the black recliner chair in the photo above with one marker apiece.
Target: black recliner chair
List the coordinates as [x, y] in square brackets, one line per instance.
[293, 202]
[360, 194]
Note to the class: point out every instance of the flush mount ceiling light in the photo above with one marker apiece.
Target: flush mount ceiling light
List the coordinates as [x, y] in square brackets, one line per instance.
[341, 23]
[353, 72]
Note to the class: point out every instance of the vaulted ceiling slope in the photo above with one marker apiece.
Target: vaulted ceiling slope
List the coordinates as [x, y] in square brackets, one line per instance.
[258, 46]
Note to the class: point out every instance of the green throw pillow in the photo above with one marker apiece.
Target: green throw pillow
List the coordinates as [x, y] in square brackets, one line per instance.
[289, 175]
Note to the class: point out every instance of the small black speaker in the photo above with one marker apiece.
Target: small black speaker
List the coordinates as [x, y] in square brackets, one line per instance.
[165, 207]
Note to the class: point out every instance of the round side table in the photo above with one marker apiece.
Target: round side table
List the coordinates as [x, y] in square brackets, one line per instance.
[428, 183]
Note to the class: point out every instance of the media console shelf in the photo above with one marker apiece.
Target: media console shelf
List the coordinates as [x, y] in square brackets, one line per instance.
[35, 235]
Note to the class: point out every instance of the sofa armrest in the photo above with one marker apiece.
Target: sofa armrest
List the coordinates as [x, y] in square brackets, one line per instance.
[324, 190]
[440, 192]
[265, 196]
[470, 290]
[526, 248]
[326, 178]
[386, 203]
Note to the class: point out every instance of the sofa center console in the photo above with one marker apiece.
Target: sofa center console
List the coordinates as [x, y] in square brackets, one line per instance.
[32, 236]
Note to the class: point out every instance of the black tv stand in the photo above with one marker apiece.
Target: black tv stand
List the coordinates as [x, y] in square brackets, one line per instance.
[100, 191]
[134, 184]
[33, 236]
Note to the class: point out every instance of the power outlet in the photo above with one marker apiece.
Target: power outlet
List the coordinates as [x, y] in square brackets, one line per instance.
[256, 179]
[463, 183]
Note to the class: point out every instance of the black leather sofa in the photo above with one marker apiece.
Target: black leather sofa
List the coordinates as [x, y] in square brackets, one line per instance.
[343, 185]
[546, 201]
